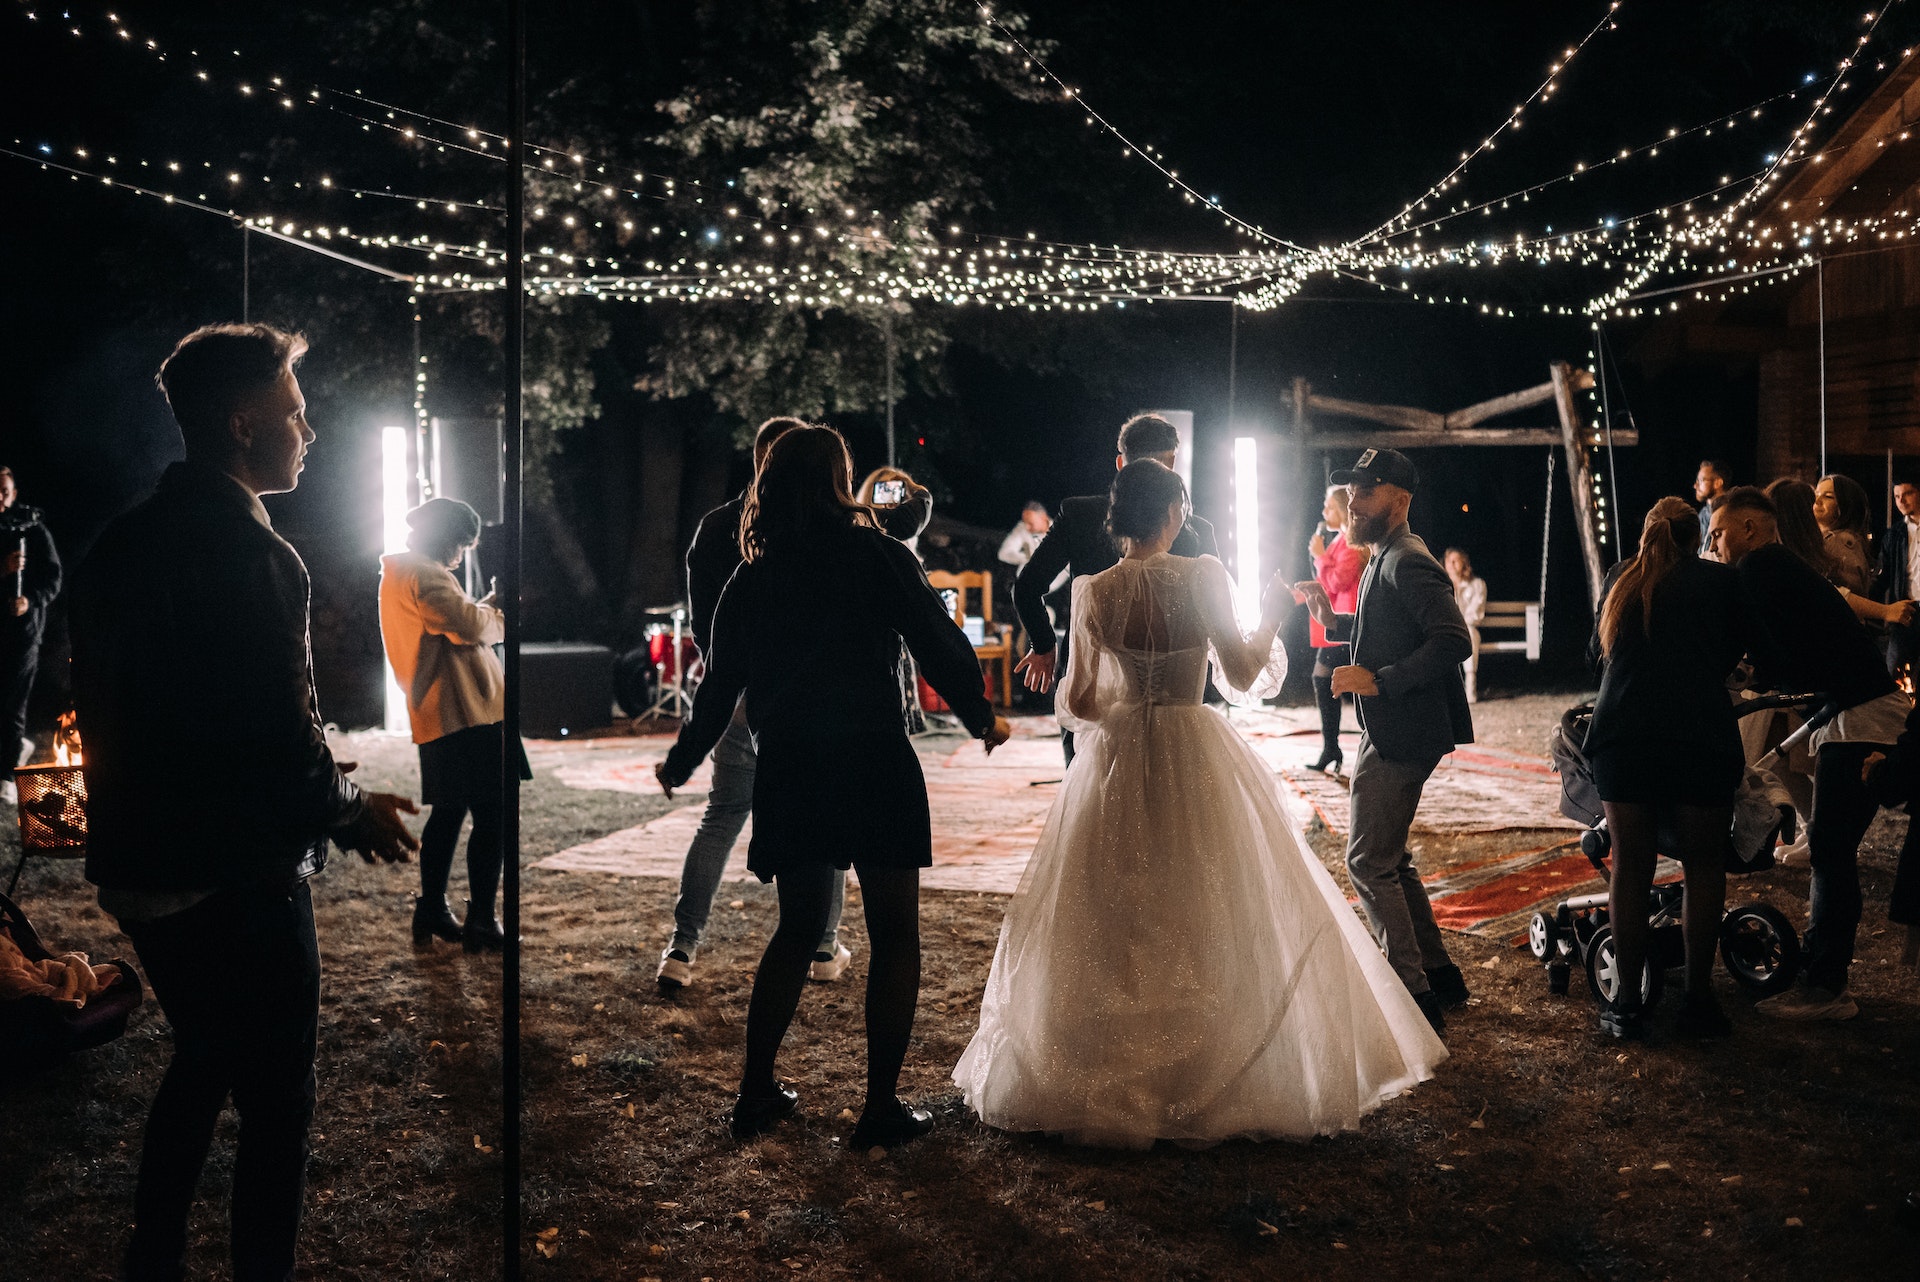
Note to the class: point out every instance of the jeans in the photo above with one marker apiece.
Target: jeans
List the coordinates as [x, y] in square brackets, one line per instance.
[238, 976]
[1843, 809]
[728, 806]
[1385, 795]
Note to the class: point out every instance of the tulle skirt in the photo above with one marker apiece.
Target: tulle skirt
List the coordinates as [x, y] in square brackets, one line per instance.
[1176, 965]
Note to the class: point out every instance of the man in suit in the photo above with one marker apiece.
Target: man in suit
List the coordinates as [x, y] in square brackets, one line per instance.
[1900, 572]
[1078, 542]
[1408, 644]
[1710, 481]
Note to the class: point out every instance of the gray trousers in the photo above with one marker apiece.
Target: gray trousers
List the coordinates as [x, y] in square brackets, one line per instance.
[1384, 796]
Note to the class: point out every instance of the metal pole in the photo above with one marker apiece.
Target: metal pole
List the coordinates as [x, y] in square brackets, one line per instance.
[246, 274]
[511, 518]
[892, 460]
[1233, 354]
[1820, 279]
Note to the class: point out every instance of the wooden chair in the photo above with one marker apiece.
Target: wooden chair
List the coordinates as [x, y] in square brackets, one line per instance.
[996, 650]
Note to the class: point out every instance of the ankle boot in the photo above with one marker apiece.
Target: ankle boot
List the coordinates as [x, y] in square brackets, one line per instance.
[433, 918]
[482, 934]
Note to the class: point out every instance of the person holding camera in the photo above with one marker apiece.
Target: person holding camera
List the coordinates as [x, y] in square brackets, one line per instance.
[838, 781]
[29, 580]
[903, 505]
[440, 643]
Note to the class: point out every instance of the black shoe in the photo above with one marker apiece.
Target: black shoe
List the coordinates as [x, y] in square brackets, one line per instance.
[1330, 760]
[1624, 1023]
[890, 1127]
[1448, 985]
[1701, 1018]
[482, 934]
[433, 919]
[756, 1114]
[1431, 1006]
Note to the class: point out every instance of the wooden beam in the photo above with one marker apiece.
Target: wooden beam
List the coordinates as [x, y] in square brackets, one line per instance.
[1404, 416]
[1580, 480]
[1361, 438]
[1500, 405]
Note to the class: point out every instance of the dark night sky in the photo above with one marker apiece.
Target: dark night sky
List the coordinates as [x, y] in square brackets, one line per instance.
[1315, 120]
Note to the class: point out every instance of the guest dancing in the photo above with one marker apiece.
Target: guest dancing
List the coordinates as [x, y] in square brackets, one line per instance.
[838, 782]
[1337, 565]
[440, 643]
[1665, 750]
[1177, 964]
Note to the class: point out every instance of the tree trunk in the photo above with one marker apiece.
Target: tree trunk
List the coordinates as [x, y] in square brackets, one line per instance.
[572, 557]
[655, 576]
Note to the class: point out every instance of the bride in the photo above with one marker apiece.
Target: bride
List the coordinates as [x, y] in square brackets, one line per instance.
[1176, 964]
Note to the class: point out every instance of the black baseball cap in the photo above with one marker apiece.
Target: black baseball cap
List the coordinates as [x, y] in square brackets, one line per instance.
[1380, 467]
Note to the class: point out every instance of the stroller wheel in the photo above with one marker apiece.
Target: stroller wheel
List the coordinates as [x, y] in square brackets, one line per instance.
[1605, 980]
[1761, 949]
[1543, 937]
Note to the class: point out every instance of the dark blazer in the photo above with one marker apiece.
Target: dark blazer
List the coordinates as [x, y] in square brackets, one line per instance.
[207, 765]
[1892, 585]
[1408, 632]
[1078, 542]
[40, 583]
[1808, 638]
[812, 636]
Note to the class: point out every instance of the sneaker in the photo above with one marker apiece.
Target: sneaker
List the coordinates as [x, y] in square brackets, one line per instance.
[1809, 1002]
[1624, 1023]
[9, 793]
[828, 967]
[1795, 853]
[676, 971]
[1702, 1019]
[1449, 985]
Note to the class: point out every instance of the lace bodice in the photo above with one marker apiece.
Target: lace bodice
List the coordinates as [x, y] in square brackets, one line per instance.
[1145, 632]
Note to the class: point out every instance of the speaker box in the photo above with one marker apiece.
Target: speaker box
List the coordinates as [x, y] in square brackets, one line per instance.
[565, 688]
[468, 464]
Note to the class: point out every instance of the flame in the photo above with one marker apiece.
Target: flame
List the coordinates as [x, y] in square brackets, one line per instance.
[66, 741]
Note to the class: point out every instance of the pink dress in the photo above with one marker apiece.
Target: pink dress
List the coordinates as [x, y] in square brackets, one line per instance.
[1338, 570]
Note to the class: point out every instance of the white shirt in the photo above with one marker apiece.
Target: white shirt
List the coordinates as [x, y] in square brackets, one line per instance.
[1018, 547]
[1913, 559]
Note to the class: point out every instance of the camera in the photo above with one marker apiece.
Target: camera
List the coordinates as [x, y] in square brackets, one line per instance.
[889, 493]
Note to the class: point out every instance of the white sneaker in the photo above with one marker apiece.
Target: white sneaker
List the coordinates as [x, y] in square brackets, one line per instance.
[676, 970]
[1809, 1002]
[825, 972]
[1795, 854]
[9, 793]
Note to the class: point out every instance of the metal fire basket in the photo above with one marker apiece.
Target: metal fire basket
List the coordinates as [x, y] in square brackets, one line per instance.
[53, 814]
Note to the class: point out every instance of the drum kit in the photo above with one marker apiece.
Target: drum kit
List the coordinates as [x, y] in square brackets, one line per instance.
[676, 663]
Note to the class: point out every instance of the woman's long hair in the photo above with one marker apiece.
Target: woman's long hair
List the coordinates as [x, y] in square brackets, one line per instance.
[1850, 508]
[1671, 531]
[803, 490]
[1338, 493]
[1793, 514]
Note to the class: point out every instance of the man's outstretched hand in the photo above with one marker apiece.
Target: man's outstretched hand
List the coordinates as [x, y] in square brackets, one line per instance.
[1313, 595]
[384, 836]
[1037, 670]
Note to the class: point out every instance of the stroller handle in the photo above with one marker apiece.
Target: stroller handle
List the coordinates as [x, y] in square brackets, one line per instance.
[1772, 702]
[1826, 712]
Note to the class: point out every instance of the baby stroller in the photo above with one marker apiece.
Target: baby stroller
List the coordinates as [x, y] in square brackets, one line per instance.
[1758, 945]
[37, 1032]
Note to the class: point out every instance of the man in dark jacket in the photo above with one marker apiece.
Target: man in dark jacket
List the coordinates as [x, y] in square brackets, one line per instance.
[711, 561]
[211, 792]
[29, 580]
[1408, 644]
[1899, 572]
[1815, 642]
[1078, 542]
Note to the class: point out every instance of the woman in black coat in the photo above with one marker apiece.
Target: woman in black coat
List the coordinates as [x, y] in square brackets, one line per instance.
[1665, 751]
[810, 627]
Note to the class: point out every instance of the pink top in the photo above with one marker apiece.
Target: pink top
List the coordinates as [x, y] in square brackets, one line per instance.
[1338, 570]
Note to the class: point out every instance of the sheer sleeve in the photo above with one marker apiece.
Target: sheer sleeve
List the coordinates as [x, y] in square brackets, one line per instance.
[1078, 706]
[1246, 669]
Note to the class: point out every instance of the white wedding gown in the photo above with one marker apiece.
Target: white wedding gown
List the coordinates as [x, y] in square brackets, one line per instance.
[1176, 964]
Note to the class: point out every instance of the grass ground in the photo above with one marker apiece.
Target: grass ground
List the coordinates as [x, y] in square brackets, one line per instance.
[1538, 1151]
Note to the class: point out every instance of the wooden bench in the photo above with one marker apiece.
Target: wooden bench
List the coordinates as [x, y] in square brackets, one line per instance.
[1508, 618]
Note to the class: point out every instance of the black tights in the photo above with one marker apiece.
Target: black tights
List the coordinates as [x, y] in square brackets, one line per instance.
[442, 834]
[1701, 834]
[1329, 716]
[892, 899]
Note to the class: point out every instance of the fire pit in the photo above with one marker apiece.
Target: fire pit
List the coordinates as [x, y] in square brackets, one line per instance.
[53, 804]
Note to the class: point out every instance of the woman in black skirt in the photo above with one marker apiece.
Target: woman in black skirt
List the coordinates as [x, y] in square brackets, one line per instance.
[810, 627]
[440, 643]
[1665, 749]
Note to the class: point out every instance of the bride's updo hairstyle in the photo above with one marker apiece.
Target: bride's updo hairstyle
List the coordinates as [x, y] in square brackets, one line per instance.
[1142, 493]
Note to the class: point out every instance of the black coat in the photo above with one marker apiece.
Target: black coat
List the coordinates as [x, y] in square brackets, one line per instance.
[1891, 585]
[22, 526]
[1408, 632]
[813, 639]
[1079, 543]
[1808, 639]
[206, 761]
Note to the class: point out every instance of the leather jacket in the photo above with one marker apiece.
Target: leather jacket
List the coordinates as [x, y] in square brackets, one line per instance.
[206, 761]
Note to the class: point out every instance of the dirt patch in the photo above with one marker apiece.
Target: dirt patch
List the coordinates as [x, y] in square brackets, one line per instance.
[1538, 1151]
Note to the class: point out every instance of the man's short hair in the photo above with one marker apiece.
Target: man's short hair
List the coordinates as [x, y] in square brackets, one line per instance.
[215, 369]
[1718, 466]
[1746, 498]
[1145, 435]
[1898, 481]
[1033, 505]
[769, 432]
